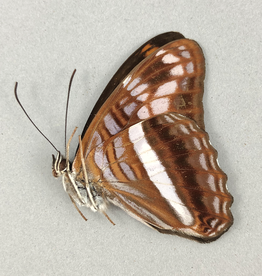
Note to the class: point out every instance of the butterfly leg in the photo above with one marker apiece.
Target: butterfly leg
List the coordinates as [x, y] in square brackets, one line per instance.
[85, 175]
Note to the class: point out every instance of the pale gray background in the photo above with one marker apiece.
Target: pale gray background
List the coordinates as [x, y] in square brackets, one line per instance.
[41, 42]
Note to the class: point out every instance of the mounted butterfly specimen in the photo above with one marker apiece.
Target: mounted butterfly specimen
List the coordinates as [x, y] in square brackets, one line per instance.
[144, 147]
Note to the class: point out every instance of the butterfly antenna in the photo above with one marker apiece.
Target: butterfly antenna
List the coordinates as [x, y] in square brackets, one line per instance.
[17, 99]
[67, 148]
[67, 104]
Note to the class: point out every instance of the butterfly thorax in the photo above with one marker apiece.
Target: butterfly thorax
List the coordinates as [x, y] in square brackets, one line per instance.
[80, 191]
[75, 190]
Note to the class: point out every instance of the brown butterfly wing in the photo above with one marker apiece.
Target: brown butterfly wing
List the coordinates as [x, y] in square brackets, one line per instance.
[167, 81]
[163, 171]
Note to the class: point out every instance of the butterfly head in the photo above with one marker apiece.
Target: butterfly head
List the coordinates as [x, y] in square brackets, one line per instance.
[59, 165]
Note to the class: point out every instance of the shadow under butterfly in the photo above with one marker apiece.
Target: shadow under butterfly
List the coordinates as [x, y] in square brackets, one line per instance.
[144, 147]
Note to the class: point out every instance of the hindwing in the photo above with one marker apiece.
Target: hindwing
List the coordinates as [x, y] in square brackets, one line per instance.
[164, 172]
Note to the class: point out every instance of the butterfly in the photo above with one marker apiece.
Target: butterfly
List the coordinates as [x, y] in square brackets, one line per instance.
[144, 147]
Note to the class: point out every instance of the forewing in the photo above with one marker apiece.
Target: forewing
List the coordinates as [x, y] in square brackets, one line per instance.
[163, 171]
[140, 54]
[169, 80]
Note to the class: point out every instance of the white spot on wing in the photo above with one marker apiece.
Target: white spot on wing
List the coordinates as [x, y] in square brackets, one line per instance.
[97, 137]
[129, 109]
[123, 101]
[182, 47]
[177, 70]
[136, 135]
[220, 184]
[160, 52]
[118, 142]
[157, 174]
[202, 161]
[99, 158]
[183, 129]
[190, 67]
[216, 204]
[166, 89]
[108, 175]
[213, 162]
[139, 89]
[128, 171]
[185, 54]
[111, 124]
[196, 143]
[119, 150]
[143, 113]
[133, 84]
[169, 58]
[169, 119]
[160, 105]
[211, 182]
[204, 142]
[142, 97]
[214, 222]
